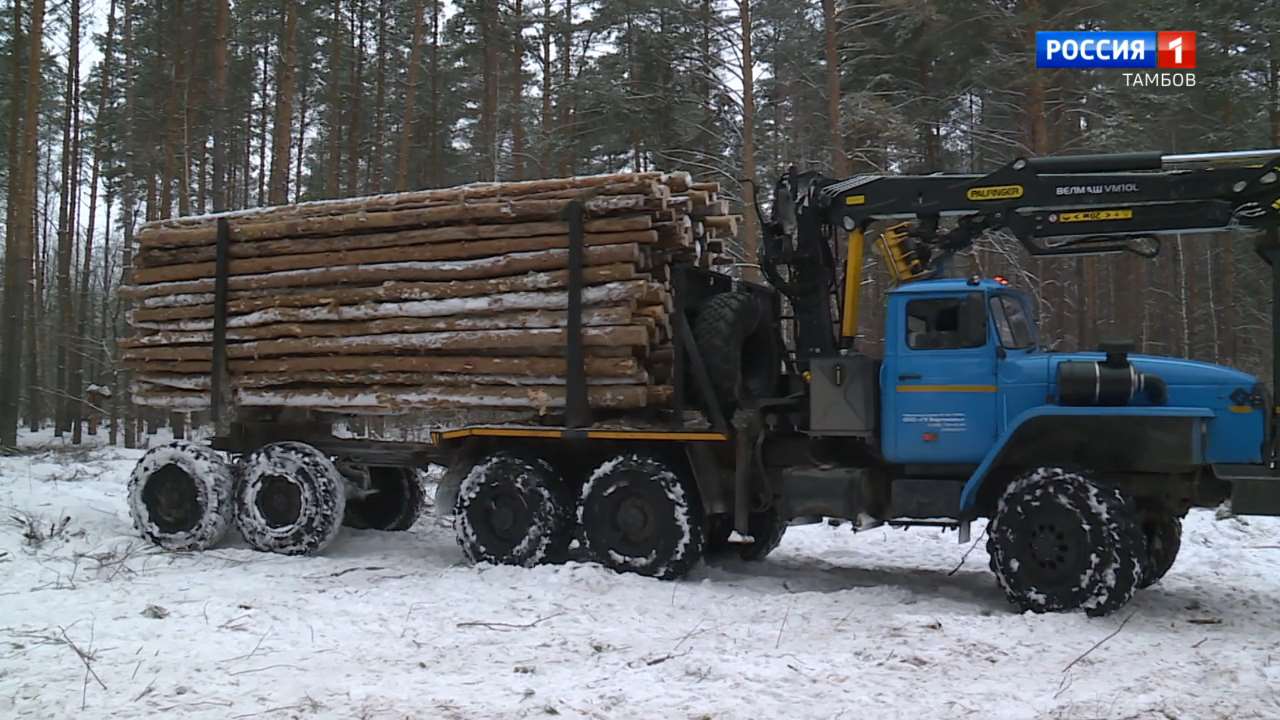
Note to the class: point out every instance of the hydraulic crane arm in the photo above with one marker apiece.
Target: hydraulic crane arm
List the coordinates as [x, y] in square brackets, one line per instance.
[1070, 205]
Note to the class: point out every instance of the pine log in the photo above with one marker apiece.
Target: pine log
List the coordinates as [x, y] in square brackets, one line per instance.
[608, 315]
[330, 378]
[439, 270]
[159, 309]
[509, 211]
[623, 292]
[675, 234]
[529, 366]
[636, 187]
[536, 397]
[605, 337]
[423, 198]
[157, 257]
[444, 251]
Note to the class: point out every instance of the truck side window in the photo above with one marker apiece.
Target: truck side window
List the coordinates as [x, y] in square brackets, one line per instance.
[1011, 321]
[946, 323]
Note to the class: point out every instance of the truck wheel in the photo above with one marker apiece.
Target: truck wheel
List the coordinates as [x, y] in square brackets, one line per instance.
[291, 499]
[1060, 542]
[394, 501]
[637, 515]
[180, 496]
[1164, 539]
[1128, 555]
[738, 348]
[513, 510]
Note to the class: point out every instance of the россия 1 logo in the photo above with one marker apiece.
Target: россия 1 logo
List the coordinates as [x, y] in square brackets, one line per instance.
[1164, 50]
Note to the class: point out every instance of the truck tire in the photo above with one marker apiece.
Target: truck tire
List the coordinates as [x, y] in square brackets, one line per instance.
[738, 349]
[394, 503]
[638, 515]
[1128, 556]
[180, 496]
[513, 510]
[291, 499]
[1164, 539]
[1060, 542]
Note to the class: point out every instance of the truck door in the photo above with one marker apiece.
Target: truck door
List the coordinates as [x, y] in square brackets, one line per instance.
[939, 378]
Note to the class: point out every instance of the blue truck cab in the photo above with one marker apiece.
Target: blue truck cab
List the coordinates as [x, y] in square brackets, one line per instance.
[967, 392]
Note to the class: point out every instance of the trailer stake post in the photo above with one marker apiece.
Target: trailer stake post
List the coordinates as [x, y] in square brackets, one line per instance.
[577, 410]
[219, 390]
[679, 280]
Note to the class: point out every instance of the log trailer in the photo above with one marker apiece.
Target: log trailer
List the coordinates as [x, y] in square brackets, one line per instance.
[1082, 463]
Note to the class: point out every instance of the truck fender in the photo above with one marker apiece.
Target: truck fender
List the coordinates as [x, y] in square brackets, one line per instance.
[1034, 421]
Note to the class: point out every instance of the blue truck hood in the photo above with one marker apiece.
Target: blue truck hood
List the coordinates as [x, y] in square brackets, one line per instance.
[1235, 433]
[1175, 371]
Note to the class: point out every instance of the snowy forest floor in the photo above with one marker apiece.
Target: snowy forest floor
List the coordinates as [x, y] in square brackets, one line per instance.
[95, 623]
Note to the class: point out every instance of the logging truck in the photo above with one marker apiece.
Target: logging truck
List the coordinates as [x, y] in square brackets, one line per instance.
[1082, 464]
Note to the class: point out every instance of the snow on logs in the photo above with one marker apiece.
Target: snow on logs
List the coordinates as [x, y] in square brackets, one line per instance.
[449, 298]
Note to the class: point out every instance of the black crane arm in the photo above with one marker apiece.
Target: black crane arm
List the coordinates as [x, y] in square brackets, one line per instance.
[1069, 205]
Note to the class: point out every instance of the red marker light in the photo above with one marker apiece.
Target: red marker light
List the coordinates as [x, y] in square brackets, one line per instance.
[1001, 279]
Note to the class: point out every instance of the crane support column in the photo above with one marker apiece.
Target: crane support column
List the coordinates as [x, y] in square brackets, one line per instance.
[852, 288]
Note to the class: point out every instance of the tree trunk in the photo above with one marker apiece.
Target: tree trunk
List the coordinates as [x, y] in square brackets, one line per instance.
[517, 90]
[488, 140]
[173, 61]
[105, 323]
[76, 389]
[356, 100]
[706, 64]
[186, 59]
[17, 79]
[436, 149]
[544, 126]
[262, 128]
[335, 105]
[286, 71]
[220, 21]
[749, 230]
[302, 143]
[410, 92]
[19, 242]
[375, 179]
[121, 408]
[831, 31]
[564, 98]
[66, 226]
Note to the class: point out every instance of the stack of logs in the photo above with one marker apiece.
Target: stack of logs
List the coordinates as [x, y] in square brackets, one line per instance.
[451, 298]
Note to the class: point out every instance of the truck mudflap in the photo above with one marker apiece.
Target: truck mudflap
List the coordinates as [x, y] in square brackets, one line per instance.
[1255, 489]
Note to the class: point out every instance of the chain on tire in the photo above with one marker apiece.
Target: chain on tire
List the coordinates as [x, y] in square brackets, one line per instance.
[1060, 542]
[291, 499]
[512, 510]
[180, 496]
[636, 514]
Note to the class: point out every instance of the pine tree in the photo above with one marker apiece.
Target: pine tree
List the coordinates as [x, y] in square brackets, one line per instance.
[20, 238]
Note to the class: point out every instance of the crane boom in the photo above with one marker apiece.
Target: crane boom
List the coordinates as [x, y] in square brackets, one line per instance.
[1055, 206]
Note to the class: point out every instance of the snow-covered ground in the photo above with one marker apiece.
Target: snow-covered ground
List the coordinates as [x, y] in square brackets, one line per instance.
[396, 625]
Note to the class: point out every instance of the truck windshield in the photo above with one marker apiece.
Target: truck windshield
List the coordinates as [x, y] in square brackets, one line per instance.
[1012, 324]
